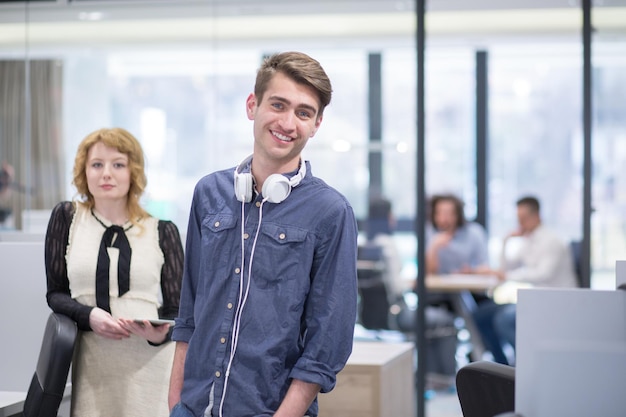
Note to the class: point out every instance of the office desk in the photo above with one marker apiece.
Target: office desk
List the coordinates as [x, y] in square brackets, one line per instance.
[11, 403]
[378, 381]
[365, 265]
[444, 283]
[461, 282]
[461, 287]
[369, 272]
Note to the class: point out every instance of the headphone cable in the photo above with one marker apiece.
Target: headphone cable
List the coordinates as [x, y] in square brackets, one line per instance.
[243, 297]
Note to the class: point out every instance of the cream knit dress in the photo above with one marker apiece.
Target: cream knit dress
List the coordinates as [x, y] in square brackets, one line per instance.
[128, 377]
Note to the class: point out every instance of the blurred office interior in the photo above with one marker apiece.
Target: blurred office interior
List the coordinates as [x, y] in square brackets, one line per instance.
[177, 73]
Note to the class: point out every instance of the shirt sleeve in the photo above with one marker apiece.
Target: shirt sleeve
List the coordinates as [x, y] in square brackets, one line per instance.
[330, 312]
[172, 271]
[58, 292]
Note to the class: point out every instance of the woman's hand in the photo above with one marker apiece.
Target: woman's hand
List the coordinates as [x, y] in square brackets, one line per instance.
[146, 330]
[103, 324]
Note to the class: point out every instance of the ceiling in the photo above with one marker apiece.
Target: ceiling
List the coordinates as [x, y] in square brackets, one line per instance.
[64, 22]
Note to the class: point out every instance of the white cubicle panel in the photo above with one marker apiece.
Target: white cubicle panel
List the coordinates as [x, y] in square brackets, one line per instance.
[23, 312]
[571, 353]
[620, 274]
[21, 236]
[35, 221]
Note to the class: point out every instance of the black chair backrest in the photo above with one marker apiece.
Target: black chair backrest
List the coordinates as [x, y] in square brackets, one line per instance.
[374, 300]
[55, 357]
[575, 246]
[374, 254]
[486, 389]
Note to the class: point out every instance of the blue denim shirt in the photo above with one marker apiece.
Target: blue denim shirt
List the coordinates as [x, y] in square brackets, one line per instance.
[299, 315]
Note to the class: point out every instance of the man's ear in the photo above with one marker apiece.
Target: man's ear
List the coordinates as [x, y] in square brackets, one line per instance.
[251, 106]
[318, 122]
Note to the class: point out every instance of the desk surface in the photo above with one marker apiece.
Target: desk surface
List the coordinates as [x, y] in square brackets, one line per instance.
[377, 353]
[459, 282]
[11, 402]
[365, 265]
[441, 282]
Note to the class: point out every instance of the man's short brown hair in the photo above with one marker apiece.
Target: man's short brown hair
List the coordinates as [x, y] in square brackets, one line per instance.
[299, 67]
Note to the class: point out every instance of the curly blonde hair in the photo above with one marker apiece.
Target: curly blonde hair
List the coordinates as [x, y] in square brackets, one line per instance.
[126, 143]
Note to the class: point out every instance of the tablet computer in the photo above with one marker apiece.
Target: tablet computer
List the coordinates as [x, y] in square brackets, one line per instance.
[155, 322]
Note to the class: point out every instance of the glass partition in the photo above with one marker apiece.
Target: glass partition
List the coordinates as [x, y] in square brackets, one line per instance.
[15, 113]
[183, 99]
[608, 223]
[536, 135]
[176, 74]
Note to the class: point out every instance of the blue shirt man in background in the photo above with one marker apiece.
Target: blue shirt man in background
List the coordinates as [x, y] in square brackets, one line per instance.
[268, 303]
[454, 245]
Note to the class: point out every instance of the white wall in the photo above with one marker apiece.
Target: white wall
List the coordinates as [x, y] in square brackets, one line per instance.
[571, 353]
[23, 312]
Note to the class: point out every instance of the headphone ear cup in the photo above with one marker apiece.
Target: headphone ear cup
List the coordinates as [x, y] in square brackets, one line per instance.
[276, 188]
[243, 187]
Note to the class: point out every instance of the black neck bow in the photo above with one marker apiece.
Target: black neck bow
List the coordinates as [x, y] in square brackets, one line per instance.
[113, 237]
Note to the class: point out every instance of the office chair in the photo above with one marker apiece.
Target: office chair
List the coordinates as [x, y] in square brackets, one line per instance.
[374, 301]
[486, 389]
[55, 357]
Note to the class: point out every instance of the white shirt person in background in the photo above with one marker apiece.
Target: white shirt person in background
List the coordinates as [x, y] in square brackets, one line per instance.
[543, 260]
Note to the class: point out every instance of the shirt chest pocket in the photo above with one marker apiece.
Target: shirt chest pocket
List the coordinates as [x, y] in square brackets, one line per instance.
[215, 240]
[281, 256]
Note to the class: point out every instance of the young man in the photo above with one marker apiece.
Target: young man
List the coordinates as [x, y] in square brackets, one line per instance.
[268, 303]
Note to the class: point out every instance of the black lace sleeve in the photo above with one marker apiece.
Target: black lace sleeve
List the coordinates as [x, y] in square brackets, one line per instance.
[172, 271]
[58, 294]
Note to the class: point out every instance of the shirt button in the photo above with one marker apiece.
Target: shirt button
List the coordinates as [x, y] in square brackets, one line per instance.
[245, 235]
[218, 374]
[223, 340]
[281, 236]
[229, 305]
[258, 204]
[237, 270]
[217, 224]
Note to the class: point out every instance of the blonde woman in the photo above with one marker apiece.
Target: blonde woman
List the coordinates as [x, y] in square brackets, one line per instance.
[111, 266]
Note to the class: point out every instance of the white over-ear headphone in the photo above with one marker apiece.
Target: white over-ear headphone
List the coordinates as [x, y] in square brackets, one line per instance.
[276, 187]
